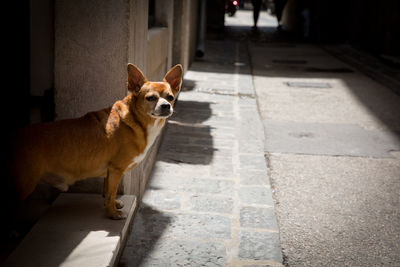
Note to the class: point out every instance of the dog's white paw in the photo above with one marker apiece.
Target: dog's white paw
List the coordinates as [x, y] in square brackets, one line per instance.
[119, 204]
[116, 215]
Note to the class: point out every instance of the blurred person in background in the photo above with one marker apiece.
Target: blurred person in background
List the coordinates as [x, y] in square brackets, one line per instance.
[256, 12]
[279, 6]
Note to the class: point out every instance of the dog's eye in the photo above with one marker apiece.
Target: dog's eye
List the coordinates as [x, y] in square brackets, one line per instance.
[151, 98]
[170, 97]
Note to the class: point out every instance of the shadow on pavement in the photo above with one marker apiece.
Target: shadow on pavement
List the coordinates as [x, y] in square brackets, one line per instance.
[148, 227]
[186, 139]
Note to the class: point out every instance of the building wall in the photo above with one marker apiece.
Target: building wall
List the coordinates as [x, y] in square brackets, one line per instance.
[215, 18]
[91, 51]
[366, 24]
[374, 25]
[138, 24]
[157, 53]
[41, 46]
[184, 32]
[194, 25]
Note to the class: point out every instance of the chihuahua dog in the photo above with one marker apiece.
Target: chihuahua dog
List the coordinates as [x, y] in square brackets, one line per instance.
[104, 143]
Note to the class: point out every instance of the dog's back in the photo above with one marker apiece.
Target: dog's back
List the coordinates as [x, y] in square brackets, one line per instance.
[60, 153]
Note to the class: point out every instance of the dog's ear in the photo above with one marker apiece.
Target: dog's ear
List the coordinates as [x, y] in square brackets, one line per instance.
[174, 77]
[136, 78]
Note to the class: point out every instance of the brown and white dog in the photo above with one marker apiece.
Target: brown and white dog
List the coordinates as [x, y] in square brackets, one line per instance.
[104, 143]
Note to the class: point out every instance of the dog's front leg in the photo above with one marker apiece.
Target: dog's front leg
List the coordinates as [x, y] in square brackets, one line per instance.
[111, 187]
[118, 203]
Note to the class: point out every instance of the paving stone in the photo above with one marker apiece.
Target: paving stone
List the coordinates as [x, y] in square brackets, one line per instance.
[250, 113]
[193, 185]
[328, 139]
[219, 204]
[248, 102]
[251, 146]
[258, 218]
[194, 108]
[254, 178]
[222, 125]
[190, 149]
[215, 142]
[260, 246]
[218, 112]
[152, 223]
[225, 160]
[183, 170]
[249, 132]
[145, 252]
[186, 148]
[162, 199]
[256, 129]
[253, 162]
[251, 121]
[222, 106]
[200, 131]
[181, 140]
[204, 117]
[209, 97]
[195, 159]
[256, 195]
[194, 116]
[222, 170]
[247, 108]
[223, 153]
[222, 119]
[246, 85]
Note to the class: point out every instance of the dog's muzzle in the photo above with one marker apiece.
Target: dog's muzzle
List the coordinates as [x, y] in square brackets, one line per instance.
[164, 110]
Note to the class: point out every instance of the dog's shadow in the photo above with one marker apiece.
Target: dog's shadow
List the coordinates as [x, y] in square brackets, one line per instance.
[186, 138]
[148, 227]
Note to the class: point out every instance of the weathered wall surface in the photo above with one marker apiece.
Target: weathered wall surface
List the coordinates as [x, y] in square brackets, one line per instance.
[91, 43]
[157, 53]
[185, 33]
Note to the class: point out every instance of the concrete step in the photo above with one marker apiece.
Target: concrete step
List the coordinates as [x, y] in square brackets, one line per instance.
[75, 232]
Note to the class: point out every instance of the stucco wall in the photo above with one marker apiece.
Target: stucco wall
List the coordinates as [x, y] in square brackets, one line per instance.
[185, 29]
[91, 41]
[157, 53]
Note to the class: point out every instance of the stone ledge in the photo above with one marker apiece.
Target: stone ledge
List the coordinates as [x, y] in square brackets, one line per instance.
[75, 232]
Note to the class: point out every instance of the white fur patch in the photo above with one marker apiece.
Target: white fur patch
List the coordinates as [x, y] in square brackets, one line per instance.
[152, 132]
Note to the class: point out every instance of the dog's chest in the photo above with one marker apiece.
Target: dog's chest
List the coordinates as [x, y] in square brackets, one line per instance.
[152, 132]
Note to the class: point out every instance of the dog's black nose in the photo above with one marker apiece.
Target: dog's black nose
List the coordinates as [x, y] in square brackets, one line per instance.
[165, 106]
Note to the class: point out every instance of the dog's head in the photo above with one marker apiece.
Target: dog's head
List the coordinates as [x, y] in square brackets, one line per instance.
[155, 99]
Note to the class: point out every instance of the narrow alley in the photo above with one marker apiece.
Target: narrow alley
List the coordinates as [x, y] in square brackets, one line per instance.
[281, 149]
[278, 154]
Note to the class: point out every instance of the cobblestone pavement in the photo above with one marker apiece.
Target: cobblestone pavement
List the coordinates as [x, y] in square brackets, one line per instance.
[209, 201]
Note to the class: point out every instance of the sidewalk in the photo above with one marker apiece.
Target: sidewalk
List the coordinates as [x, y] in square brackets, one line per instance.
[209, 201]
[332, 143]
